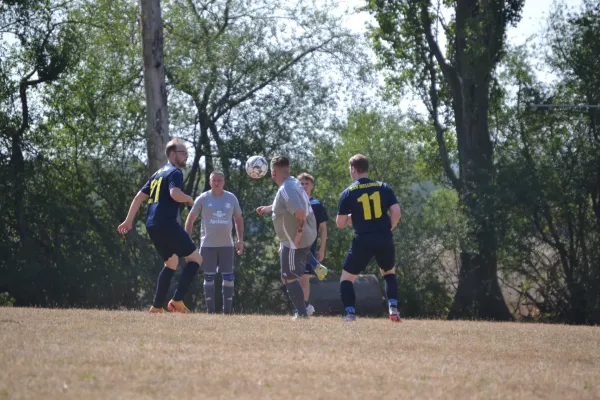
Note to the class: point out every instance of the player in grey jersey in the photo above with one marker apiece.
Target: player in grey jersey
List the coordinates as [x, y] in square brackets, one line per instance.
[295, 226]
[217, 207]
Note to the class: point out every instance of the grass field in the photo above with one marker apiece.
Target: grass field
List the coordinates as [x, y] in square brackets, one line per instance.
[91, 354]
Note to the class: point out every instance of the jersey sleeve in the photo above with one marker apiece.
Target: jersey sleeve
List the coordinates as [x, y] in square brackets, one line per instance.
[293, 202]
[176, 179]
[237, 210]
[197, 208]
[146, 188]
[343, 204]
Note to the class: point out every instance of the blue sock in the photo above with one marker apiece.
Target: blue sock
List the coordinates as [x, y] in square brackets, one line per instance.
[185, 280]
[312, 261]
[350, 310]
[162, 286]
[347, 294]
[391, 289]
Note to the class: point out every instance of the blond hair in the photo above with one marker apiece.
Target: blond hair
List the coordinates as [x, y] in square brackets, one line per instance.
[172, 145]
[306, 176]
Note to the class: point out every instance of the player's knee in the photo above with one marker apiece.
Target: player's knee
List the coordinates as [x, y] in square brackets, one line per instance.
[228, 279]
[209, 279]
[172, 262]
[195, 257]
[388, 272]
[347, 276]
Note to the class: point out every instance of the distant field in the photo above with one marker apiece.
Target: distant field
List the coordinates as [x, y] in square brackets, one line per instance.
[89, 354]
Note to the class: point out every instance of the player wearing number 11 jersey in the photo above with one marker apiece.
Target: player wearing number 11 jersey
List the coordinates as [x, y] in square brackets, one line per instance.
[365, 205]
[163, 191]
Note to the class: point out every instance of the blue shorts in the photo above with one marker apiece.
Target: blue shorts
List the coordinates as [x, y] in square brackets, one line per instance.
[366, 246]
[171, 239]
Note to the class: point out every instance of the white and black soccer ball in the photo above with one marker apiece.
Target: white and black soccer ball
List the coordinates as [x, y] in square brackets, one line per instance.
[257, 167]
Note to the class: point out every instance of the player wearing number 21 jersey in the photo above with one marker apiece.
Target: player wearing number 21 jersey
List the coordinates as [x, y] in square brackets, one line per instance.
[163, 192]
[365, 205]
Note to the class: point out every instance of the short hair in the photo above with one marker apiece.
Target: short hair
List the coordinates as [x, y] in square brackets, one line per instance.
[360, 163]
[216, 172]
[306, 176]
[279, 162]
[172, 145]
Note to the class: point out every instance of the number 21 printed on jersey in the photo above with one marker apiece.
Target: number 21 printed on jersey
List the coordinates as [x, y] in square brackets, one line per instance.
[154, 190]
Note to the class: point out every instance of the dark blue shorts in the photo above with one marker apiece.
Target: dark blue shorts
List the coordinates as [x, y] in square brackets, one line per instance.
[366, 246]
[171, 239]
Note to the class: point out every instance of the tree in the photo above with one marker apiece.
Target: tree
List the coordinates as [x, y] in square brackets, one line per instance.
[157, 115]
[549, 175]
[43, 49]
[456, 91]
[253, 74]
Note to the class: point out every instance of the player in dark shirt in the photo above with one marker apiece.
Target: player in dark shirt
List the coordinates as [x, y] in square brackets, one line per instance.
[164, 192]
[365, 205]
[314, 260]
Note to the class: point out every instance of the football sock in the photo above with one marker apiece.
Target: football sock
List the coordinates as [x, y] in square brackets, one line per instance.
[296, 294]
[391, 289]
[227, 290]
[347, 294]
[209, 292]
[162, 286]
[185, 280]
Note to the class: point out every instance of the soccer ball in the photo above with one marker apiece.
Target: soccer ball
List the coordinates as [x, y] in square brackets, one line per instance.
[257, 167]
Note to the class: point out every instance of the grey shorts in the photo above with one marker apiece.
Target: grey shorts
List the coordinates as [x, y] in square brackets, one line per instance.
[217, 258]
[293, 262]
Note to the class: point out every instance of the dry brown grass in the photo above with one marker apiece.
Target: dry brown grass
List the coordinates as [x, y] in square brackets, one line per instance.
[90, 354]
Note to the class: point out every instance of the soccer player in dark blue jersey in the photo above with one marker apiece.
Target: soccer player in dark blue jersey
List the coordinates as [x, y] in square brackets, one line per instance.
[365, 205]
[164, 192]
[314, 260]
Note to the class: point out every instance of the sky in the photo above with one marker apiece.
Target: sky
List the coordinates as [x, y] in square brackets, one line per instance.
[530, 29]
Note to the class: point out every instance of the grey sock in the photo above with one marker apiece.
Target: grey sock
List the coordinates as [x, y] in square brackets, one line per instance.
[227, 298]
[296, 294]
[209, 292]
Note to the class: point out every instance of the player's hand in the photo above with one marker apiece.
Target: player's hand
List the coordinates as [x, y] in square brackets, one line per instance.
[240, 248]
[349, 221]
[320, 255]
[298, 239]
[261, 210]
[124, 227]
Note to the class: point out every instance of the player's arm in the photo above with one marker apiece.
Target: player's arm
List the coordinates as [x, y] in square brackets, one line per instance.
[296, 206]
[193, 215]
[264, 209]
[189, 223]
[238, 220]
[343, 215]
[180, 197]
[395, 214]
[139, 198]
[323, 236]
[342, 220]
[394, 209]
[175, 182]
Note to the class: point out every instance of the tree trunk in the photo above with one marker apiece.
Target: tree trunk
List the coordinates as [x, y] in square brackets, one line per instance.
[157, 117]
[478, 294]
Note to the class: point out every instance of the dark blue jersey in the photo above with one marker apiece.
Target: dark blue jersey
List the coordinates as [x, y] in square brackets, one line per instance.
[319, 210]
[320, 215]
[162, 209]
[368, 201]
